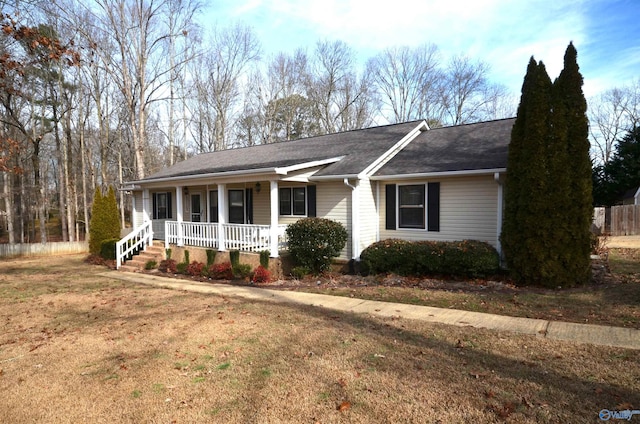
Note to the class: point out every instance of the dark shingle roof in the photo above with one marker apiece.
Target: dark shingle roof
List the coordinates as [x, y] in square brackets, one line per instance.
[359, 147]
[460, 148]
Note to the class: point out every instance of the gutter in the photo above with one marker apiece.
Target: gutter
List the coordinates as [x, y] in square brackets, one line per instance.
[438, 174]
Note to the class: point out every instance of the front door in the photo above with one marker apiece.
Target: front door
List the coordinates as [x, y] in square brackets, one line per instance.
[196, 207]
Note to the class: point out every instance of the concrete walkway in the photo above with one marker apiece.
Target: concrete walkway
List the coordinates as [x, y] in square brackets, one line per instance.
[556, 330]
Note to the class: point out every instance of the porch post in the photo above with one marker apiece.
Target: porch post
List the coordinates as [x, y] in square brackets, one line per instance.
[179, 210]
[273, 185]
[222, 215]
[146, 217]
[145, 206]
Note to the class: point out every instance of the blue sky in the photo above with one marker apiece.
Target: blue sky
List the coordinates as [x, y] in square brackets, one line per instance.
[503, 33]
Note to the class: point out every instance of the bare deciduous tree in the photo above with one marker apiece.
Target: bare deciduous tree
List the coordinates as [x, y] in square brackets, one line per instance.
[611, 115]
[407, 79]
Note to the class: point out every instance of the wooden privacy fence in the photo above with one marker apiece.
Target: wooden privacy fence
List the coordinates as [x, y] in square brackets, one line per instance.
[39, 249]
[625, 220]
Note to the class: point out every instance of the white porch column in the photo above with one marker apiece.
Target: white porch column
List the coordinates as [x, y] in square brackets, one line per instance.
[147, 205]
[146, 217]
[223, 212]
[179, 210]
[273, 196]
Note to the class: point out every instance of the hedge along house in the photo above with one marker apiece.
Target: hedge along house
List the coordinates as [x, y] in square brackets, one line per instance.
[396, 181]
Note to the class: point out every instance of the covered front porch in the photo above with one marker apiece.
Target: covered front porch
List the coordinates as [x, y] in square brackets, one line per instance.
[243, 213]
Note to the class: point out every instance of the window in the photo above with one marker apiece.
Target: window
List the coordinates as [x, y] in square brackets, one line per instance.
[236, 206]
[162, 206]
[408, 206]
[213, 206]
[411, 206]
[293, 201]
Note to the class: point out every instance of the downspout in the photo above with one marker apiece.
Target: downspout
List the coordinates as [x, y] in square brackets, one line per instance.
[355, 221]
[496, 177]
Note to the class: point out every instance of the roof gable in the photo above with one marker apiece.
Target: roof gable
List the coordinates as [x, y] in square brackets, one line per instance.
[469, 147]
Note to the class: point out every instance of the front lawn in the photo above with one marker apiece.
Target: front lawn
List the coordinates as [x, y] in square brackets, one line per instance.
[613, 299]
[79, 347]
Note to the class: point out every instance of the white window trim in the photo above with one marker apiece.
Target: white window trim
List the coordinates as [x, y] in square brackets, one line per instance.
[424, 208]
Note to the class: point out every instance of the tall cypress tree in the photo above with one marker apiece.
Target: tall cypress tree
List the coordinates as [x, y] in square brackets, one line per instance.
[547, 217]
[525, 231]
[575, 175]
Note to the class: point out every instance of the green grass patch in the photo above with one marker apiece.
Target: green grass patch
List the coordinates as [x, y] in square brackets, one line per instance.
[224, 366]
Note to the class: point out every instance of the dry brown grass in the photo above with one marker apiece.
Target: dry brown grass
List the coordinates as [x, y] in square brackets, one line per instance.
[612, 299]
[76, 347]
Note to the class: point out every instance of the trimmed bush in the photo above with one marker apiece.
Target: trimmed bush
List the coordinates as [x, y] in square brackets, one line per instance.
[264, 258]
[186, 257]
[314, 242]
[211, 257]
[299, 272]
[234, 257]
[468, 258]
[221, 271]
[261, 275]
[168, 265]
[168, 252]
[241, 270]
[181, 268]
[150, 265]
[195, 268]
[108, 249]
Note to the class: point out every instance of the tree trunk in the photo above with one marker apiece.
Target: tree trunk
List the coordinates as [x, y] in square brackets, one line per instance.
[8, 205]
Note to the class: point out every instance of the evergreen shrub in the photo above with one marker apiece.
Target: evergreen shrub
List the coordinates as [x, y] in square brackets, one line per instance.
[211, 257]
[467, 258]
[241, 271]
[234, 257]
[181, 268]
[264, 258]
[108, 249]
[314, 242]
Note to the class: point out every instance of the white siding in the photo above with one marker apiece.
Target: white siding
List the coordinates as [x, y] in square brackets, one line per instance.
[333, 201]
[137, 218]
[262, 205]
[368, 215]
[468, 210]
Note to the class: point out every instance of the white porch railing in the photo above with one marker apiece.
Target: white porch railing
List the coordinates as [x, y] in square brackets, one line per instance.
[200, 234]
[135, 241]
[245, 237]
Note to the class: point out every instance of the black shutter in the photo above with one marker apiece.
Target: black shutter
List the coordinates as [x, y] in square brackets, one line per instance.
[390, 190]
[433, 207]
[169, 206]
[311, 201]
[249, 205]
[154, 213]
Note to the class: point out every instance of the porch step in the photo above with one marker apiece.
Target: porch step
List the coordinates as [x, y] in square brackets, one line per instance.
[139, 261]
